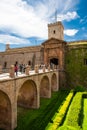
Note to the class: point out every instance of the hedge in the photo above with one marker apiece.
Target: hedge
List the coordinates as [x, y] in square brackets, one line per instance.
[59, 115]
[72, 118]
[65, 127]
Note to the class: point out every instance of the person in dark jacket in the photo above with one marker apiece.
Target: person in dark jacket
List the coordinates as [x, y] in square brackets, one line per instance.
[16, 69]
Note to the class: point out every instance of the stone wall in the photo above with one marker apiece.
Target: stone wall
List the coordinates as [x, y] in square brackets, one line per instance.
[76, 64]
[22, 56]
[26, 90]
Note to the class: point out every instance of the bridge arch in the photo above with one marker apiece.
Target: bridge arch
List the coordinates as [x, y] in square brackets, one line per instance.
[27, 95]
[45, 87]
[5, 111]
[54, 86]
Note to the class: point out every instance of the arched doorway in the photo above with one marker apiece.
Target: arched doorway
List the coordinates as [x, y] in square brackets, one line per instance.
[5, 112]
[44, 87]
[27, 96]
[54, 62]
[54, 83]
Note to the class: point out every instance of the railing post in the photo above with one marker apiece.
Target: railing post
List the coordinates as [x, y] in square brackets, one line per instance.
[36, 69]
[27, 70]
[0, 69]
[11, 71]
[44, 68]
[49, 68]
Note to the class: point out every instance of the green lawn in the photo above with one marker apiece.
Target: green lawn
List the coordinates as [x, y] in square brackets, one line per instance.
[85, 114]
[37, 119]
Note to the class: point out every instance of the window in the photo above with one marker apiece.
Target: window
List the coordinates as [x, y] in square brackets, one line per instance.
[29, 62]
[16, 62]
[5, 64]
[54, 31]
[85, 61]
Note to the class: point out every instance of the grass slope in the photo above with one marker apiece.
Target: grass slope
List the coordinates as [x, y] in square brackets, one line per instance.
[37, 119]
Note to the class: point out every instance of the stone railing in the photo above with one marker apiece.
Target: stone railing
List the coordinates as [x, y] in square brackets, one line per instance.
[28, 69]
[37, 69]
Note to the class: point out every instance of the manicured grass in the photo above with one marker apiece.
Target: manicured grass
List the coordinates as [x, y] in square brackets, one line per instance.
[85, 114]
[37, 119]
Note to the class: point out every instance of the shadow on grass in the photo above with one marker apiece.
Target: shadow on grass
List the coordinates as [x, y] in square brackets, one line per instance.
[39, 118]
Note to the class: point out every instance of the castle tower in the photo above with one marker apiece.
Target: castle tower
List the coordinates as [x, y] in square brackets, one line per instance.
[56, 30]
[7, 46]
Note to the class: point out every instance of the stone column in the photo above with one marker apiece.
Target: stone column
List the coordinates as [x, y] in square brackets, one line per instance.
[0, 69]
[44, 69]
[36, 69]
[49, 68]
[11, 71]
[45, 56]
[27, 70]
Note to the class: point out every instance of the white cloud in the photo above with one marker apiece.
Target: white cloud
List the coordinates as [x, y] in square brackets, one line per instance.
[12, 40]
[21, 19]
[24, 19]
[68, 16]
[70, 32]
[69, 4]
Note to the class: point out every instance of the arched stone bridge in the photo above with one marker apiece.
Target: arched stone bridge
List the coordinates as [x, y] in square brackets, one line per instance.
[26, 92]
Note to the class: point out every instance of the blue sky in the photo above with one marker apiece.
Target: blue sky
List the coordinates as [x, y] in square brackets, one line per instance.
[24, 22]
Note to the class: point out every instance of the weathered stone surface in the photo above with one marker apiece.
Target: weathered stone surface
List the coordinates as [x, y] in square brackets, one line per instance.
[44, 68]
[27, 69]
[11, 71]
[36, 68]
[55, 30]
[0, 69]
[26, 92]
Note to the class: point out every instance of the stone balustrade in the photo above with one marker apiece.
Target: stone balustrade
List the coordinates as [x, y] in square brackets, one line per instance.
[27, 70]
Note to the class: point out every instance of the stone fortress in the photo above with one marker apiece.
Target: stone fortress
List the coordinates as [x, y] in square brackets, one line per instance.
[51, 50]
[69, 57]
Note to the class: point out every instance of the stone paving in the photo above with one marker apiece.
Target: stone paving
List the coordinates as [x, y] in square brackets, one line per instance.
[32, 72]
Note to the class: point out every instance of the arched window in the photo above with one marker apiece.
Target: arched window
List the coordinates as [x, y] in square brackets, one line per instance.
[54, 31]
[5, 64]
[85, 61]
[29, 62]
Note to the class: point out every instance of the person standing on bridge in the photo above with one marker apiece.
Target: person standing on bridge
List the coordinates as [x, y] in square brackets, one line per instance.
[16, 69]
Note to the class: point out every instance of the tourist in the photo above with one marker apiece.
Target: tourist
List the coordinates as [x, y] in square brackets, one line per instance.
[16, 69]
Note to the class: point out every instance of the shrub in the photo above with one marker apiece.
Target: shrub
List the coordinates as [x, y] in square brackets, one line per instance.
[49, 126]
[79, 89]
[66, 127]
[72, 117]
[84, 95]
[58, 117]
